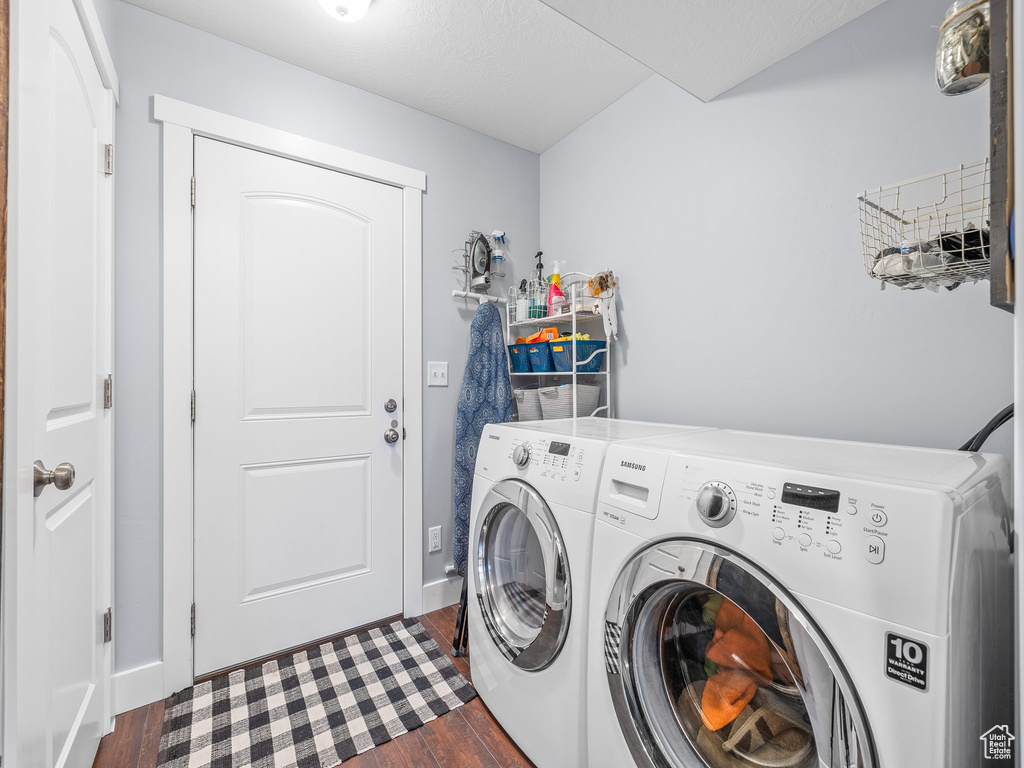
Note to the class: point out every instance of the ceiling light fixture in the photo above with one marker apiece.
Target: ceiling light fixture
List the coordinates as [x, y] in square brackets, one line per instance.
[346, 10]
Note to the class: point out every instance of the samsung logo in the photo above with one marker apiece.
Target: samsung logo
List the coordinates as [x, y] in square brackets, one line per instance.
[631, 465]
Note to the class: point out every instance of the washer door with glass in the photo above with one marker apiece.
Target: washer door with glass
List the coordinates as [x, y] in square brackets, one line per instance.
[711, 663]
[522, 575]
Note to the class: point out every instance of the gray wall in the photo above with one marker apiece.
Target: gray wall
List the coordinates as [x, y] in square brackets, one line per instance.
[105, 13]
[734, 229]
[732, 226]
[474, 182]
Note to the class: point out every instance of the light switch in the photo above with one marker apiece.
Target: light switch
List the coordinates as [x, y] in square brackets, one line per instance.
[437, 374]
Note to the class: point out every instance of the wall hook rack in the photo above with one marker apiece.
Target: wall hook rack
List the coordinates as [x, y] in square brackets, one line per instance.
[479, 297]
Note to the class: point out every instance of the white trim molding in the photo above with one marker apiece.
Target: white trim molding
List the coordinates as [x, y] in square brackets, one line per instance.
[181, 122]
[98, 45]
[176, 412]
[136, 687]
[412, 408]
[234, 130]
[442, 593]
[1017, 139]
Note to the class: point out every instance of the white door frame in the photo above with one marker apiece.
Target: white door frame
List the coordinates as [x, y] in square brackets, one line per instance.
[180, 123]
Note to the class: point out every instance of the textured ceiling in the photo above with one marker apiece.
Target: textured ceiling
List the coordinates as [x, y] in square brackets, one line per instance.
[513, 69]
[709, 46]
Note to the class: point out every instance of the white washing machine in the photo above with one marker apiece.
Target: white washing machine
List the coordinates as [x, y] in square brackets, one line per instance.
[531, 523]
[768, 600]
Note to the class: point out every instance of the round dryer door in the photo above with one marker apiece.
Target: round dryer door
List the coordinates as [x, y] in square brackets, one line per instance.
[522, 575]
[711, 663]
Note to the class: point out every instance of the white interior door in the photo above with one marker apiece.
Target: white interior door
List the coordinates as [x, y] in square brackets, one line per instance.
[57, 544]
[298, 346]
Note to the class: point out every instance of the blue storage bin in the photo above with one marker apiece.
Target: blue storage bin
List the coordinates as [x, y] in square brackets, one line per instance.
[561, 355]
[520, 356]
[540, 357]
[585, 349]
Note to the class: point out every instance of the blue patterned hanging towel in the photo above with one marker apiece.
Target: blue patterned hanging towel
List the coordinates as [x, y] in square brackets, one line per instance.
[485, 398]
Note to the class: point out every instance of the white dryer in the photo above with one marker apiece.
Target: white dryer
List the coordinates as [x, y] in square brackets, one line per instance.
[531, 524]
[783, 601]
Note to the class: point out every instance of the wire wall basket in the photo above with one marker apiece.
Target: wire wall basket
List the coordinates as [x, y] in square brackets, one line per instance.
[930, 232]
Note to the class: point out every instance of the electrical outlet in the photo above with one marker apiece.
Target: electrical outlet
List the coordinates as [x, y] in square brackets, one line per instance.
[435, 539]
[437, 374]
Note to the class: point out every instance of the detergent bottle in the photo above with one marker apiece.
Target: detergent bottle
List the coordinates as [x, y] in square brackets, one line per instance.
[556, 273]
[556, 298]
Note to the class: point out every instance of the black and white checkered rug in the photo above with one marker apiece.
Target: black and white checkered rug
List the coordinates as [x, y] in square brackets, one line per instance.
[527, 601]
[612, 646]
[316, 708]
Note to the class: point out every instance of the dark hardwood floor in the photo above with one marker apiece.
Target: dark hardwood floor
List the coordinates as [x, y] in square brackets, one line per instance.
[467, 737]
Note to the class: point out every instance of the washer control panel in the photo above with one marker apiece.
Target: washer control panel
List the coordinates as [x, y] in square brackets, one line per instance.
[801, 514]
[716, 503]
[811, 520]
[832, 522]
[874, 543]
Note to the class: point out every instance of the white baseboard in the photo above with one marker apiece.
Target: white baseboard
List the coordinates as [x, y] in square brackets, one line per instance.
[138, 686]
[441, 594]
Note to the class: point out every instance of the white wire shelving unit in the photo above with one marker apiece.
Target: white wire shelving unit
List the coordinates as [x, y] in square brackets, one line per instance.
[581, 316]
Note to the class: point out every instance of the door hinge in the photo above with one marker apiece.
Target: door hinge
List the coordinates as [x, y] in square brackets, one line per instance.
[193, 619]
[108, 625]
[403, 433]
[109, 167]
[108, 391]
[193, 406]
[193, 191]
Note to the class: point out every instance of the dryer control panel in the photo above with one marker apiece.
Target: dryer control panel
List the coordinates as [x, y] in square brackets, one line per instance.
[566, 469]
[554, 459]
